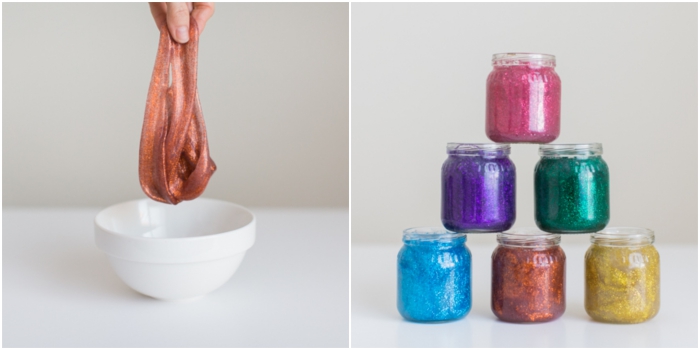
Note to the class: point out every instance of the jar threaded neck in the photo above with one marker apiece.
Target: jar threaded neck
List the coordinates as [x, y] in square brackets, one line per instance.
[431, 234]
[571, 150]
[623, 236]
[528, 238]
[478, 149]
[523, 59]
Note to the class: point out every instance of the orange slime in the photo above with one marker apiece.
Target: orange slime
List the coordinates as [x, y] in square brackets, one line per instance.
[174, 162]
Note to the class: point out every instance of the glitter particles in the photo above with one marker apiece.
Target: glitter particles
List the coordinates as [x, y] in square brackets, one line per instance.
[528, 283]
[523, 99]
[478, 188]
[572, 194]
[622, 283]
[434, 277]
[174, 162]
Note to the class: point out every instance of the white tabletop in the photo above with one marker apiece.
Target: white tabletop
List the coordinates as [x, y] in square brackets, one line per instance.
[377, 323]
[290, 291]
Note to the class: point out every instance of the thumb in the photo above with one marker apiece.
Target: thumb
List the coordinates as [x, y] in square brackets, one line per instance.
[178, 19]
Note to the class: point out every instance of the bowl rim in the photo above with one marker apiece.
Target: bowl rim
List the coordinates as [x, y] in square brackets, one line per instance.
[166, 250]
[192, 238]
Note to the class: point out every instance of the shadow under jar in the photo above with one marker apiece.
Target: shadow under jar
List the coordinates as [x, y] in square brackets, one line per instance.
[622, 276]
[572, 192]
[478, 188]
[523, 98]
[528, 276]
[434, 275]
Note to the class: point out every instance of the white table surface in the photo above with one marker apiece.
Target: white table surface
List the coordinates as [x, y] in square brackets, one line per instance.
[376, 322]
[290, 291]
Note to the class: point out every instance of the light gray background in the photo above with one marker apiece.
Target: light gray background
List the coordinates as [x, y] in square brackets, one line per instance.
[273, 82]
[629, 77]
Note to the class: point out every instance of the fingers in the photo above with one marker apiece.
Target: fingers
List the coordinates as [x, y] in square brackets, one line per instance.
[178, 18]
[158, 10]
[202, 12]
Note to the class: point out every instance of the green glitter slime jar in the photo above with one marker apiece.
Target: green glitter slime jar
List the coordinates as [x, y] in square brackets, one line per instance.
[572, 188]
[622, 276]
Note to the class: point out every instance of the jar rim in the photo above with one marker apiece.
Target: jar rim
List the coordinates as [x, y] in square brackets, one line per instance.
[523, 58]
[528, 237]
[571, 149]
[623, 236]
[429, 234]
[477, 148]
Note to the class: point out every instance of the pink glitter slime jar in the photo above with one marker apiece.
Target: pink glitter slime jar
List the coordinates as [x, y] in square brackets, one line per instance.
[523, 99]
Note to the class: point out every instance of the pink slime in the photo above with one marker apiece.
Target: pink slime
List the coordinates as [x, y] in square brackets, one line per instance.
[523, 103]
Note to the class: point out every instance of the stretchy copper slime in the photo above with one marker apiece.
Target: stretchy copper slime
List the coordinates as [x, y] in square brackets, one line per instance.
[528, 283]
[174, 162]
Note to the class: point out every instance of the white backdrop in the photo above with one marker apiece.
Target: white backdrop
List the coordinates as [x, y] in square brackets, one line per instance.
[629, 80]
[273, 82]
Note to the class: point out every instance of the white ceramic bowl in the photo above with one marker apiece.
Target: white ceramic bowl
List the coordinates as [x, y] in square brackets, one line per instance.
[175, 252]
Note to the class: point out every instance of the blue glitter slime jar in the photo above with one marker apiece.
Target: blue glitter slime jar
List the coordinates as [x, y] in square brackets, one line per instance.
[434, 275]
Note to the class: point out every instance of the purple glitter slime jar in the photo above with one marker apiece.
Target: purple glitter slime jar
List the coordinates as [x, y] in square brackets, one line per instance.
[478, 188]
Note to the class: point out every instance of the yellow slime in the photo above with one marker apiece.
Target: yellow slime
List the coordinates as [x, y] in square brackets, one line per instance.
[622, 283]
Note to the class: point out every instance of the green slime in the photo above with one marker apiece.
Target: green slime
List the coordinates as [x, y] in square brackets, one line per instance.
[572, 194]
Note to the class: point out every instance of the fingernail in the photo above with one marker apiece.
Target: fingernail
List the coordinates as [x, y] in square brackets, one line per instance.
[182, 34]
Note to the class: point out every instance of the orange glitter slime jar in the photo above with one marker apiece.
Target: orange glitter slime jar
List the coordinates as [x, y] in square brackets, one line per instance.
[528, 274]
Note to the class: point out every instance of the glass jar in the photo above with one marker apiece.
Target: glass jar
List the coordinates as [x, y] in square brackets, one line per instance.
[523, 98]
[478, 188]
[434, 275]
[572, 188]
[528, 276]
[622, 276]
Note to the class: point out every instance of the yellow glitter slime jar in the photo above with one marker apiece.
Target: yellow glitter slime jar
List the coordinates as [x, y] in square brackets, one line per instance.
[622, 275]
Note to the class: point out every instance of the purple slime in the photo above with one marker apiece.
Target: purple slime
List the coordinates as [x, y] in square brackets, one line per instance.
[478, 193]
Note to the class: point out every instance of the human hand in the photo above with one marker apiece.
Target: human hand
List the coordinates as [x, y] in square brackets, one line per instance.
[177, 16]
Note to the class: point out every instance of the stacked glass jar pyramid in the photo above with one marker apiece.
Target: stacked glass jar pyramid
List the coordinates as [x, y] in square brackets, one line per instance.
[523, 103]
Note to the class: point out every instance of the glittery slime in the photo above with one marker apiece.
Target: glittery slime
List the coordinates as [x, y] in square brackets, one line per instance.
[572, 194]
[478, 193]
[523, 104]
[528, 284]
[174, 162]
[622, 283]
[434, 280]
